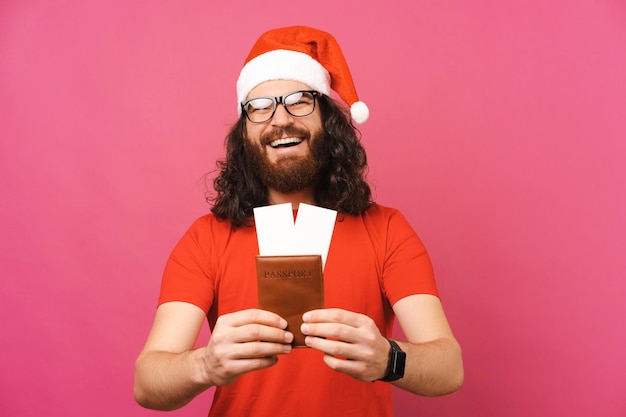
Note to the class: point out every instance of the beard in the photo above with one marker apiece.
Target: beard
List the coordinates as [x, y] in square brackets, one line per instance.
[289, 173]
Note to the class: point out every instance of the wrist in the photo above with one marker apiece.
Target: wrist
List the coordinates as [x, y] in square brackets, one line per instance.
[396, 363]
[202, 370]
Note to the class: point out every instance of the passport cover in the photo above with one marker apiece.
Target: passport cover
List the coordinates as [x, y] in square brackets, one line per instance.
[289, 286]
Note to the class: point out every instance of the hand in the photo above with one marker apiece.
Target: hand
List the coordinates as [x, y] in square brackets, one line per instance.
[351, 342]
[245, 341]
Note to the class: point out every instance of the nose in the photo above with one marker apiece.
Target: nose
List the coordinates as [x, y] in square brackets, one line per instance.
[281, 116]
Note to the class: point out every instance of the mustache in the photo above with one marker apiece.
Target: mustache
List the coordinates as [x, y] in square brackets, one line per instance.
[281, 132]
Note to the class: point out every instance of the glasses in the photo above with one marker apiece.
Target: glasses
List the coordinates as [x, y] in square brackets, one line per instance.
[298, 104]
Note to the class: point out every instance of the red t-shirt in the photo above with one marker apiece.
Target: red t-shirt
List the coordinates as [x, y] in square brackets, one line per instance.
[374, 260]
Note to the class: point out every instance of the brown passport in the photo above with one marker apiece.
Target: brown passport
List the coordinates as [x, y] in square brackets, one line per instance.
[290, 286]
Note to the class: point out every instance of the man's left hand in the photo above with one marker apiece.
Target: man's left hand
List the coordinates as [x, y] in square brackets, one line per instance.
[351, 342]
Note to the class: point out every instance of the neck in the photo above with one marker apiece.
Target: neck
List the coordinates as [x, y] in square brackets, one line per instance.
[295, 198]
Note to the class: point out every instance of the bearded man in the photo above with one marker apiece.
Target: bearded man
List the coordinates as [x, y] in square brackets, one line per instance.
[294, 143]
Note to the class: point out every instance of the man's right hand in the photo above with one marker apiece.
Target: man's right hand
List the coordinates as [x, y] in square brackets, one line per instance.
[245, 341]
[170, 372]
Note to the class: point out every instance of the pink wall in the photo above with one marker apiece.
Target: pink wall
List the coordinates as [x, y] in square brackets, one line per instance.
[498, 127]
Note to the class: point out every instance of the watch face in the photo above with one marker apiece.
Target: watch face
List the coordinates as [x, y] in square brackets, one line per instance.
[397, 360]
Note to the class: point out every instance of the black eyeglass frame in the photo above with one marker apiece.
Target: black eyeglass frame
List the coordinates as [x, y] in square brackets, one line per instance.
[281, 100]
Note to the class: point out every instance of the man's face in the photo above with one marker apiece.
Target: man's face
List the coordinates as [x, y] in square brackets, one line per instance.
[286, 150]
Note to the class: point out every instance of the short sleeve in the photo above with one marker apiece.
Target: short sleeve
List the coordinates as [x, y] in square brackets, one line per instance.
[407, 268]
[187, 276]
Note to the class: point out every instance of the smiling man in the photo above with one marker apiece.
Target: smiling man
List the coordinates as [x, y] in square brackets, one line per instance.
[295, 144]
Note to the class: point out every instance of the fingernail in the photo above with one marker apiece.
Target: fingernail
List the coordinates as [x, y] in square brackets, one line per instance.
[304, 328]
[283, 323]
[306, 317]
[288, 337]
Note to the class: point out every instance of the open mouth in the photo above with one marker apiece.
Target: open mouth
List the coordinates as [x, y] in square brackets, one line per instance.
[285, 142]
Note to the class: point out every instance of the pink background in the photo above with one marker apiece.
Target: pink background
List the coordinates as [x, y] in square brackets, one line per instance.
[497, 127]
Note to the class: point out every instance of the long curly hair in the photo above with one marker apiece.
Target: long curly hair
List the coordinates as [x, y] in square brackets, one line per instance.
[342, 186]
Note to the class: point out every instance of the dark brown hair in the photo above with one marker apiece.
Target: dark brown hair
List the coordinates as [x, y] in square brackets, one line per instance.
[342, 185]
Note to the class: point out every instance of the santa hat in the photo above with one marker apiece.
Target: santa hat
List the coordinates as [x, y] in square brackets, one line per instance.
[303, 54]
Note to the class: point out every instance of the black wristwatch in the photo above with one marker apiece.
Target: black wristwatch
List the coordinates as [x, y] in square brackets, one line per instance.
[395, 367]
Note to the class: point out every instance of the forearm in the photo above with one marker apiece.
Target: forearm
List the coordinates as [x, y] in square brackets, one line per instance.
[432, 368]
[167, 381]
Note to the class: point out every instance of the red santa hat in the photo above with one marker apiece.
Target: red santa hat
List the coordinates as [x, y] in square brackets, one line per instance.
[303, 54]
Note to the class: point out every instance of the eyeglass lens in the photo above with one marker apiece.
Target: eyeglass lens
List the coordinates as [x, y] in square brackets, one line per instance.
[299, 104]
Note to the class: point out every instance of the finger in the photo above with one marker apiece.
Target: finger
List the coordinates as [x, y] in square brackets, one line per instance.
[334, 315]
[338, 348]
[247, 365]
[356, 369]
[231, 370]
[253, 315]
[332, 331]
[258, 332]
[256, 350]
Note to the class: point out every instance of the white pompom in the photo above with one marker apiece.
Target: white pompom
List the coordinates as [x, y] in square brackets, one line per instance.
[359, 112]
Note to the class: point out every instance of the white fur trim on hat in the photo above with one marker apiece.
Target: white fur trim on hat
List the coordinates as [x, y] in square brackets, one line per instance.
[359, 112]
[281, 64]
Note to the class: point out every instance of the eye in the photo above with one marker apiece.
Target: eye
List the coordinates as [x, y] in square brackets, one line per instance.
[259, 104]
[293, 98]
[298, 98]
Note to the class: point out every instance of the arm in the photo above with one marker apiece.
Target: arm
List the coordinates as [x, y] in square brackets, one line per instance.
[434, 364]
[169, 372]
[353, 344]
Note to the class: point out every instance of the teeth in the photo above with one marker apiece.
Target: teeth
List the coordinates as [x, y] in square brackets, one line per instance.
[285, 141]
